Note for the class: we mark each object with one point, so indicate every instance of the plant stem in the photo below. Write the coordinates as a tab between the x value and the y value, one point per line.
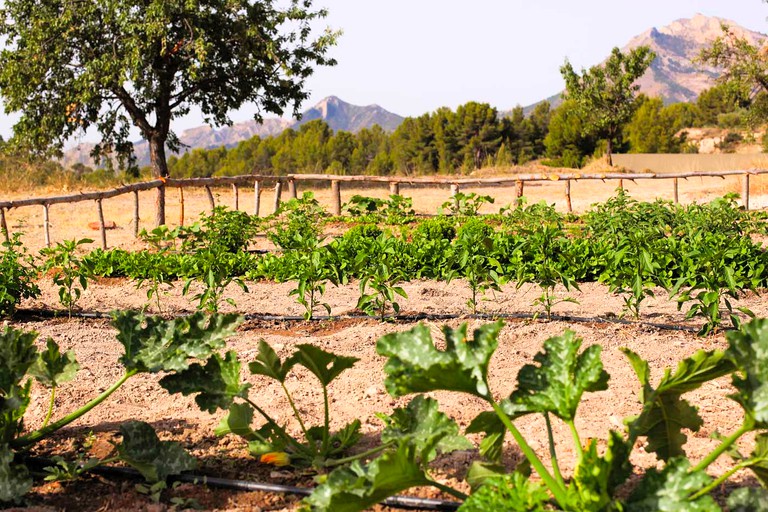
448	490
44	432
362	455
576	438
556	488
327	421
280	430
298	417
727	442
51	403
553	451
722	478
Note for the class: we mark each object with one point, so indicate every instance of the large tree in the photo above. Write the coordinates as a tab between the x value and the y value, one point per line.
73	65
605	94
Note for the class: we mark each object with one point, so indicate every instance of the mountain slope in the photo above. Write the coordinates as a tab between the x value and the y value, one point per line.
339	115
675	75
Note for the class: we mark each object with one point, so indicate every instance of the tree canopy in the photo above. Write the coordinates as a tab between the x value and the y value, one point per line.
70	66
605	95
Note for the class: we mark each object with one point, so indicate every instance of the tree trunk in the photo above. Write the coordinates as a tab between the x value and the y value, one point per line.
609	151
160	170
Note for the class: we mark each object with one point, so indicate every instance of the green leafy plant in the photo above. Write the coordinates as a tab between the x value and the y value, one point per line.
553	386
71	273
217	385
213	270
17	275
466	205
151	345
311	271
297	223
380	274
472	261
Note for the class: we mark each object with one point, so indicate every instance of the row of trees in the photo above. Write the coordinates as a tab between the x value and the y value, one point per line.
471	137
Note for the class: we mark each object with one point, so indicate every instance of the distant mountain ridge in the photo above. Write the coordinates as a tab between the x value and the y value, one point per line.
675	75
339	115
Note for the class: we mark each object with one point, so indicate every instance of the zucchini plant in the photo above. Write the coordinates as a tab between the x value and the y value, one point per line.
151	344
552	386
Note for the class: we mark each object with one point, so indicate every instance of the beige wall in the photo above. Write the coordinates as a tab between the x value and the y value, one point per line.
691	163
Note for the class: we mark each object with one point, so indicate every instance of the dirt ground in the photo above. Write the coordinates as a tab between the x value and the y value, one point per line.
359	392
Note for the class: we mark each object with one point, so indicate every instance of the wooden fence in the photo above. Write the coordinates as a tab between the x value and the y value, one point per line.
257	182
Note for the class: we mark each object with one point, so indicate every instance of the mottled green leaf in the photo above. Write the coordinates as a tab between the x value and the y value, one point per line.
489	423
216	384
324	365
561	377
596	477
237	421
665	414
513	492
153	344
748	350
670	489
267	363
748	499
156	460
17	355
758	459
416	365
422	424
358	487
15	480
52	367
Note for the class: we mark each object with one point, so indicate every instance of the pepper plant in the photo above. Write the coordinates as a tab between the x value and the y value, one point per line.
71	273
17	275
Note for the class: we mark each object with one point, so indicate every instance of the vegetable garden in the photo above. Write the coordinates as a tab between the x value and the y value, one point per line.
607	361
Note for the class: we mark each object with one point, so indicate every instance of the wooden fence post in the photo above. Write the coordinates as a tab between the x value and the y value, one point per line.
278	191
236	194
102	226
568	196
745	191
394	188
181	206
519	189
136	214
621	184
256	197
336	197
454	195
676	190
4	225
211	201
292	188
47	226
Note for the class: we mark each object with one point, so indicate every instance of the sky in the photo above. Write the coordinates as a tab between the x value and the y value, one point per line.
414	56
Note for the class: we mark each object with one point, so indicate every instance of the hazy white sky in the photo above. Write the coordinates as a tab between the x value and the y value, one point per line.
413	56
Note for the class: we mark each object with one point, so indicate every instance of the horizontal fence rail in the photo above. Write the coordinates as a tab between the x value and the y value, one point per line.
258	182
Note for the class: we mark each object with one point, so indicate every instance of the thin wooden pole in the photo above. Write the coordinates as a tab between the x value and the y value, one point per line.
256	197
181	206
4	225
568	195
519	189
292	189
745	191
676	189
102	226
136	214
236	194
621	184
454	195
278	191
211	201
394	188
336	197
47	226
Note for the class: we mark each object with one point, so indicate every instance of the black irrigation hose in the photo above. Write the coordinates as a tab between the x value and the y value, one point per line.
400	502
416	317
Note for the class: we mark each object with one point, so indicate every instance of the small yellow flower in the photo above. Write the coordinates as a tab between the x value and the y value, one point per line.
276	459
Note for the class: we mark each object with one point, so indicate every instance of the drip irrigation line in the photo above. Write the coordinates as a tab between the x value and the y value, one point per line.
400	502
416	317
